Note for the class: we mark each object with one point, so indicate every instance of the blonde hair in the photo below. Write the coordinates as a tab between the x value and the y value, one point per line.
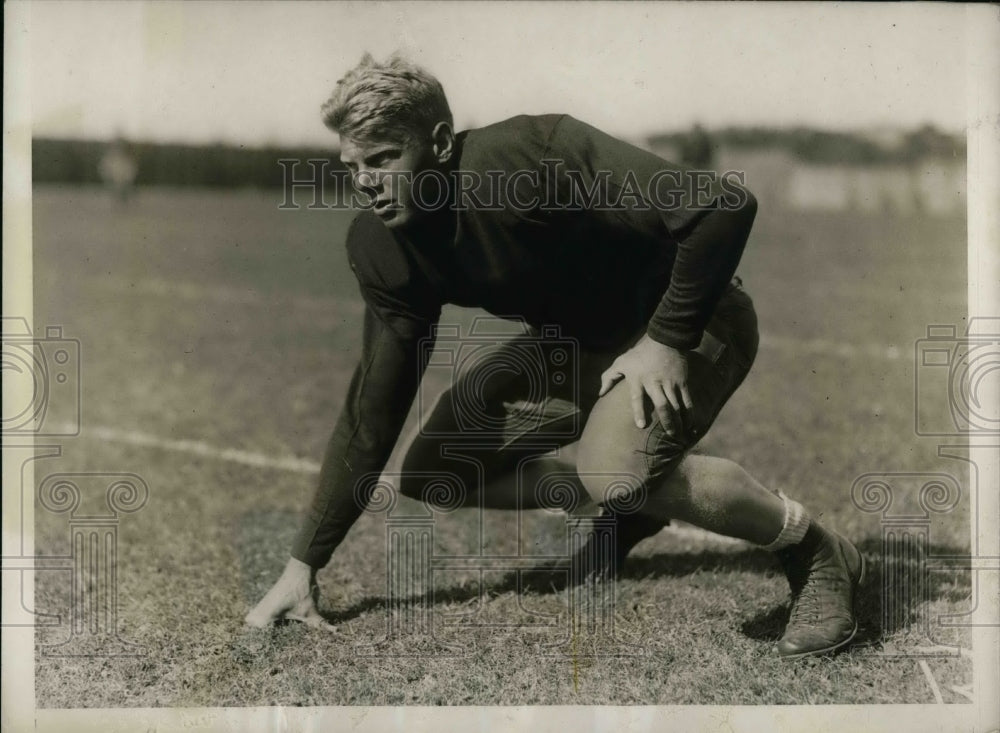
395	100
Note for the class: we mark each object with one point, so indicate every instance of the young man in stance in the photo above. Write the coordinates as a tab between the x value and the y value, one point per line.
631	259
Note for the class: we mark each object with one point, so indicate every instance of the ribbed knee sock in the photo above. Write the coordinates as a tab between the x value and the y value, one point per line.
795	525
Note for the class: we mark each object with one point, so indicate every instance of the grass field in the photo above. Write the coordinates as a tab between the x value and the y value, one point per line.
213	322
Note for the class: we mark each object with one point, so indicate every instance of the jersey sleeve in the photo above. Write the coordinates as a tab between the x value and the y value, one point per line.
703	219
400	313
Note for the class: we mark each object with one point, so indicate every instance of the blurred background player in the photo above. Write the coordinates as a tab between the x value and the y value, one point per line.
696	148
118	169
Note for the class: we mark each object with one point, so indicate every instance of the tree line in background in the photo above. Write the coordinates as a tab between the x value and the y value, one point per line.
223	166
217	165
825	147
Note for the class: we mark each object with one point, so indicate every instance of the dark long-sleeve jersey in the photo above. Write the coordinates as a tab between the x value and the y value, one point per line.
551	221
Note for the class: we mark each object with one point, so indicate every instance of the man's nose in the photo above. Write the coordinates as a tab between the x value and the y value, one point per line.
368	181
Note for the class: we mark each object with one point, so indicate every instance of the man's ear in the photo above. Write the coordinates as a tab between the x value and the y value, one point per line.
443	142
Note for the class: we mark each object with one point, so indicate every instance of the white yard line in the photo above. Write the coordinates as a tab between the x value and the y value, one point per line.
826	347
201	448
687	531
950	650
195	292
964	692
190	291
295	465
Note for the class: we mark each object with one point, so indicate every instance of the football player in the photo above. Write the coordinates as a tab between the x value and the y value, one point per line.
629	258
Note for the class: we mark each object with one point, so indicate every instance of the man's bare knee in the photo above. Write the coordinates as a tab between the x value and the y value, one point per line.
607	473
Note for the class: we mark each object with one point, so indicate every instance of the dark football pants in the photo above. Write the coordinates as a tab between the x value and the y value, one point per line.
525	397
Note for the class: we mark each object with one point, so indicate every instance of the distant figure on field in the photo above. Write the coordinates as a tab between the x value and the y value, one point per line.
696	148
118	169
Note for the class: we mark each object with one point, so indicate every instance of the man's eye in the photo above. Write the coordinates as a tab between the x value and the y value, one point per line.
382	158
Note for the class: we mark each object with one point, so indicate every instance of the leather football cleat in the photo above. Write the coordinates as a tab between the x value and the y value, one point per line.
824	571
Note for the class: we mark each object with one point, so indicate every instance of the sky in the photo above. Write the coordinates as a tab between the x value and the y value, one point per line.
255	73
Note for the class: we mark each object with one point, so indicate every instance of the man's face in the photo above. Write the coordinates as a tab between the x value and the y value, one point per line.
385	170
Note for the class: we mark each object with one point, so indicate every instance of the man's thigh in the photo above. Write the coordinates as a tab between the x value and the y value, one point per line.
615	455
509	402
